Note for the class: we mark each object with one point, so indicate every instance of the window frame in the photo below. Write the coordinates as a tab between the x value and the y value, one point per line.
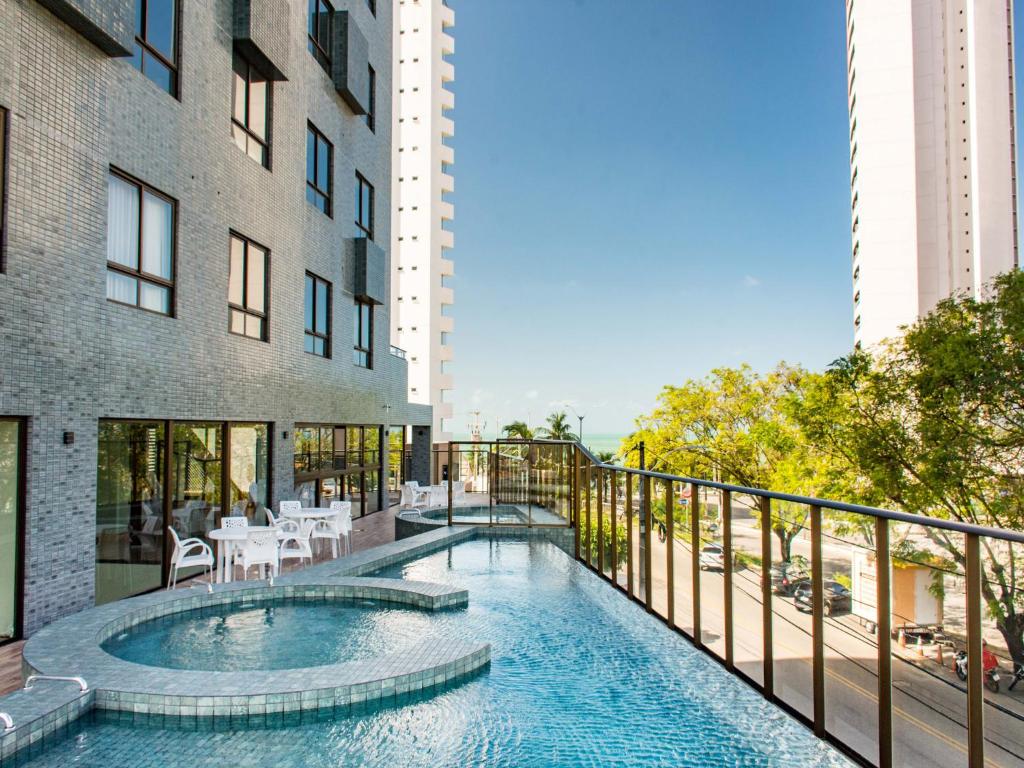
321	54
5	144
326	336
138	274
371	107
174	67
268	107
313	132
265	314
360	182
357	348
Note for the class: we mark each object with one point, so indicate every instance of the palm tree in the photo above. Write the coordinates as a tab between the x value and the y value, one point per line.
558	428
518	429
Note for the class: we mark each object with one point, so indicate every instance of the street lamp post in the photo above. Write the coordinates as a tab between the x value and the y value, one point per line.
580	434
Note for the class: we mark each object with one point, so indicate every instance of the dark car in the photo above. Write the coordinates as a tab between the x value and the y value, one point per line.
837	597
785	577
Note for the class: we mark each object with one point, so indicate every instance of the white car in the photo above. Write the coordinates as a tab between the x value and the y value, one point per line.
712	558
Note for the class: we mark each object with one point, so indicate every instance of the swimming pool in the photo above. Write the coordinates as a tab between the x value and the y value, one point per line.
579	676
274	634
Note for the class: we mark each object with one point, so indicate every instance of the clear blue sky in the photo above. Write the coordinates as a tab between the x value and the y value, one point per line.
644	192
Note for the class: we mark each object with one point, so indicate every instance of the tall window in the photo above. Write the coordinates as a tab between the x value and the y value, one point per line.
362	352
319	30
156	42
250	112
247	288
318	316
319	165
364	207
11	515
371	98
140	245
3	185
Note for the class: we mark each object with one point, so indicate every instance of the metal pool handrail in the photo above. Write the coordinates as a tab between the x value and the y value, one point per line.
7	721
583	477
82	685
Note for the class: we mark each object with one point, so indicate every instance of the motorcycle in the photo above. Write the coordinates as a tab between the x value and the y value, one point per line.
1018	675
991	673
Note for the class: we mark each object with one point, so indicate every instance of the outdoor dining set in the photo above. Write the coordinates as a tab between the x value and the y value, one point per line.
291	535
416	498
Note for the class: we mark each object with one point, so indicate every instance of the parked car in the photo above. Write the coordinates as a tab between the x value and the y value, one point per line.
712	558
785	577
838	599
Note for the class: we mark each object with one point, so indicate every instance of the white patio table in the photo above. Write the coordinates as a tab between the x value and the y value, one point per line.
227	540
309	513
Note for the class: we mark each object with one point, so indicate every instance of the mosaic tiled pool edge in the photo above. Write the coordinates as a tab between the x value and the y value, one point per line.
51	706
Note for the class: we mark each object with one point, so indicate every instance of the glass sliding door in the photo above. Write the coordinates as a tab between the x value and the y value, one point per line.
197	480
10	528
129	508
250	471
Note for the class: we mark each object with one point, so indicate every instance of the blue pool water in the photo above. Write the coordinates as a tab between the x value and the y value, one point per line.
580	677
277	634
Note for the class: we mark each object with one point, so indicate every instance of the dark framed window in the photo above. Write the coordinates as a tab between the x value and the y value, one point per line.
250	111
319	169
318	316
3	188
364	207
12	526
248	278
371	98
140	245
362	351
321	16
156	42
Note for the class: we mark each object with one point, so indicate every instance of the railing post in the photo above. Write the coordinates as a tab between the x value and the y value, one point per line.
599	481
577	472
975	681
670	525
613	487
817	623
766	596
451	455
645	500
883	633
730	663
588	470
629	533
695	562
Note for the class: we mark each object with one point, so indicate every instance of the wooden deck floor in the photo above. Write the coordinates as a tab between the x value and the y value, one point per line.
367	532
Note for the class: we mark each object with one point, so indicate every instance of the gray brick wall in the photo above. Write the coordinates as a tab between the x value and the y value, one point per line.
68	357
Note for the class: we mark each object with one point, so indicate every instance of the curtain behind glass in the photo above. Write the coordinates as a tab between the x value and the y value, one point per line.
156	236
122	223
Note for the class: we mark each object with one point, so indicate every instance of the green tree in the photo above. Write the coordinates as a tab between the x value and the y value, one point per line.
557	428
934	424
736	425
518	430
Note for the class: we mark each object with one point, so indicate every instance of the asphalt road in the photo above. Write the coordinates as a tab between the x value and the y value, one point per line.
929	718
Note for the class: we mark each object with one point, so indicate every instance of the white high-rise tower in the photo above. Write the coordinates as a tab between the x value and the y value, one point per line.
421	297
932	154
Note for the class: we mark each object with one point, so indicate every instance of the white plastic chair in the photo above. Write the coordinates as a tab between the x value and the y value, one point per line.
234	522
260	548
283	524
294	545
336	527
414	497
458	493
180	557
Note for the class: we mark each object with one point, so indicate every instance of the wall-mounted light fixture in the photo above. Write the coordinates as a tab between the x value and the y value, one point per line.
69	438
284	435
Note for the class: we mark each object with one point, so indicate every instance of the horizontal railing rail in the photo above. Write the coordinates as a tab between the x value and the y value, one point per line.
590	495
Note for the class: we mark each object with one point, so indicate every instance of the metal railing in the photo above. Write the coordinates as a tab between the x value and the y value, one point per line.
398	352
678	546
79	681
